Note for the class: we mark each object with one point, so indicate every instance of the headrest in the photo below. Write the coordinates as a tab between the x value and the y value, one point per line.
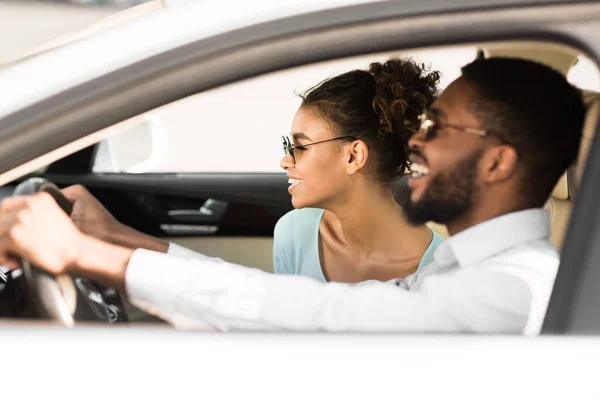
569	183
592	116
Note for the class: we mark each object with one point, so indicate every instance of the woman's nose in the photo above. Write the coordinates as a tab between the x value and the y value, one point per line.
286	162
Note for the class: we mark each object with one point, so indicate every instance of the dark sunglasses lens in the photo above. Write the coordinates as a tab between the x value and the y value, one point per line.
288	148
286	145
427	131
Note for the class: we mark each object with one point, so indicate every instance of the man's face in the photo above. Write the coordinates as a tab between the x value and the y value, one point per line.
445	185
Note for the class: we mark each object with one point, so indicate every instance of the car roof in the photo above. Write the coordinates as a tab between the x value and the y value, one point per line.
58	69
53	71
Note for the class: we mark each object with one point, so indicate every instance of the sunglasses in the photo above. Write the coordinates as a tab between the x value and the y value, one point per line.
429	126
289	147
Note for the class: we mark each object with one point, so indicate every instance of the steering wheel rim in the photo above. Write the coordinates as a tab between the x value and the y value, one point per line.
63	298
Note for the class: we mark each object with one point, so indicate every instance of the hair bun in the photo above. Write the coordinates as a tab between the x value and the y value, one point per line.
403	89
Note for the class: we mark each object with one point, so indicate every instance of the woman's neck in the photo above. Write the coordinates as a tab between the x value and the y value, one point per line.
372	221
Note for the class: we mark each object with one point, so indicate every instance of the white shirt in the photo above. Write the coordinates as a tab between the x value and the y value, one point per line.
494	277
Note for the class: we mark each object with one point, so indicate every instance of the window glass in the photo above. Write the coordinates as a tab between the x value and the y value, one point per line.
237	128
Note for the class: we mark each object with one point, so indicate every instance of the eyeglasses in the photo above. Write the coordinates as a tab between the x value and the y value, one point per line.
289	147
429	126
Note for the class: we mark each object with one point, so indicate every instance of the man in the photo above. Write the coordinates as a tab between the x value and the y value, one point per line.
484	162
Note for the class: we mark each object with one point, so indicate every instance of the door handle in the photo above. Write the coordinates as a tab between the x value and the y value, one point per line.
211	211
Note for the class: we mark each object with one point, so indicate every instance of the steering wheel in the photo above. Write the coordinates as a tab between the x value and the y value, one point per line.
63	298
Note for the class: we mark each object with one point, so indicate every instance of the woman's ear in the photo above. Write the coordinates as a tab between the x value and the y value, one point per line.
499	163
357	154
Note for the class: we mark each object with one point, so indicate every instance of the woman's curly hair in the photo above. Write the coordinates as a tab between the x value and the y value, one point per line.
380	106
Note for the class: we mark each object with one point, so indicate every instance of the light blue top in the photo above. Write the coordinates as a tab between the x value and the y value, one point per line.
296	245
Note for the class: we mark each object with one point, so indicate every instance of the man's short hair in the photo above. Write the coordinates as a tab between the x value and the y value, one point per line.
535	110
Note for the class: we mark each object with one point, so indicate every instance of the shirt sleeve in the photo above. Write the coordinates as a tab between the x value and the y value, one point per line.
176	250
200	292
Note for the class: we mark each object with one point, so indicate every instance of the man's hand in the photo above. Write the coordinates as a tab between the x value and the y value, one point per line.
37	229
34	227
90	216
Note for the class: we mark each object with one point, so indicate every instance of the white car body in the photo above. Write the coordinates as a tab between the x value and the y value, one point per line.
155	361
42	76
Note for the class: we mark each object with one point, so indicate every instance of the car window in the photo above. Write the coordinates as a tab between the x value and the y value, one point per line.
237	128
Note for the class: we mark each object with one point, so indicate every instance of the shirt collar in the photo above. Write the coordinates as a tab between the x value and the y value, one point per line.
494	236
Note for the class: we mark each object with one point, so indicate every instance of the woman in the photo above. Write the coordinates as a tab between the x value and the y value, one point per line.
348	143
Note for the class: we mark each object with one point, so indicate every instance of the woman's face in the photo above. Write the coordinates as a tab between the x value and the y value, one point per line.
319	174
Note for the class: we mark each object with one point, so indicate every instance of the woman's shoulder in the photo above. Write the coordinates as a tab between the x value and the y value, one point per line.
427	258
295	245
299	220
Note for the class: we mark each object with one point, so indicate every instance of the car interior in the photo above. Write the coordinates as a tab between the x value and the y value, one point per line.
194	194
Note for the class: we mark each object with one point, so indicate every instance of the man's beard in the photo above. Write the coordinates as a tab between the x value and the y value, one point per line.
448	195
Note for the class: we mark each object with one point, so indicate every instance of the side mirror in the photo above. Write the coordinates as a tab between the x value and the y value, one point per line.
137	150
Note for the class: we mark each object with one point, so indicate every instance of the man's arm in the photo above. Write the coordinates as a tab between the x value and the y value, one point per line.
192	292
90	216
234	297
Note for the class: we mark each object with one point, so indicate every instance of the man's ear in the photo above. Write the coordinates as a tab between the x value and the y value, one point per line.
357	154
499	163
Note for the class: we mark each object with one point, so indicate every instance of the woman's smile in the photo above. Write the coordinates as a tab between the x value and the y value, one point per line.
293	183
